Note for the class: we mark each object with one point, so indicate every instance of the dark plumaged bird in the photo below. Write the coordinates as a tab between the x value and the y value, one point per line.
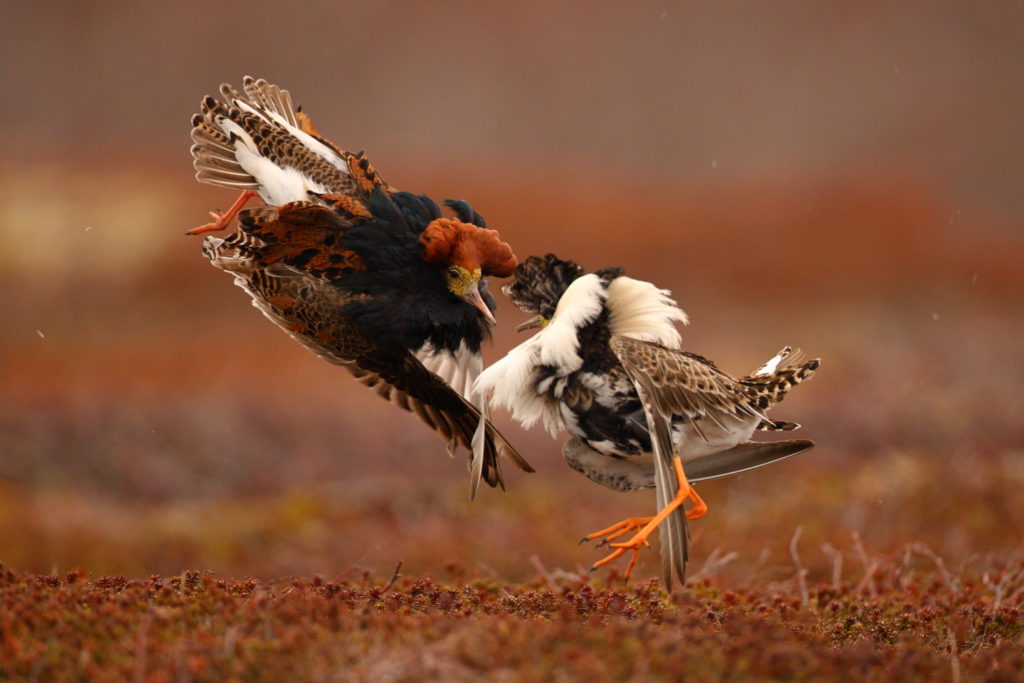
606	366
375	280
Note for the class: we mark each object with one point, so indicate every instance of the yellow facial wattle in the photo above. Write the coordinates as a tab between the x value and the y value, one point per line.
460	280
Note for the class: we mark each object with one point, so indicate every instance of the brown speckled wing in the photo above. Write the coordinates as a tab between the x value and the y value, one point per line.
681	383
282	136
216	164
302	235
286	260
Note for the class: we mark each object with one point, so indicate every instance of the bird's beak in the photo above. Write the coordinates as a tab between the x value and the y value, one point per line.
473	297
533	323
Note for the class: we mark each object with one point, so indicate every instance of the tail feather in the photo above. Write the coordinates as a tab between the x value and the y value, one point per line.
215	159
777	426
745	456
673	532
210	138
271	98
488	448
787	357
770	383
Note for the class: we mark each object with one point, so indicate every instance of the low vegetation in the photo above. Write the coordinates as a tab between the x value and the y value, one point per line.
899	621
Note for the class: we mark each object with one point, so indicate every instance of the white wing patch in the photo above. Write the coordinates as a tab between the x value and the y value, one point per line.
510	382
277	185
772	365
580	304
788	357
459	369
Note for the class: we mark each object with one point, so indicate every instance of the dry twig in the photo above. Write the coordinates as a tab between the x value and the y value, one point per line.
801	573
394	577
950	582
713	563
756	569
870	567
543	571
836	556
954	658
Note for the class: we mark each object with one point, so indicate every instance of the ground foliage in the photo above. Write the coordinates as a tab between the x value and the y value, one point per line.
901	620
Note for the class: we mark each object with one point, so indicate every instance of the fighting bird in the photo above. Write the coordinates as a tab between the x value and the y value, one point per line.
606	366
370	278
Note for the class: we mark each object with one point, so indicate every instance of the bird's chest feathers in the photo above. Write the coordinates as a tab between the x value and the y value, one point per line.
604	410
413	308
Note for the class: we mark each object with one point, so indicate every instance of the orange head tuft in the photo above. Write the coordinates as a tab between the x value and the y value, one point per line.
448	241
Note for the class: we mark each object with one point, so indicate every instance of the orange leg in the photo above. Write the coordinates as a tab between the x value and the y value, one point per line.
222	220
639	540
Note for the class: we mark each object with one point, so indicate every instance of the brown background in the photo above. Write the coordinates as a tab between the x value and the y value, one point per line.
844	177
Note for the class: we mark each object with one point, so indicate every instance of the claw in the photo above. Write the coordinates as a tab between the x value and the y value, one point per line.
645	526
619	552
632	563
617	530
222	220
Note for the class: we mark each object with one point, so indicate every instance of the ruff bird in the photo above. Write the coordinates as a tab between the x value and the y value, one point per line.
606	367
370	278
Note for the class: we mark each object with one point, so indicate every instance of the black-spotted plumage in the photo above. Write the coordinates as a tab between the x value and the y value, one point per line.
606	367
540	282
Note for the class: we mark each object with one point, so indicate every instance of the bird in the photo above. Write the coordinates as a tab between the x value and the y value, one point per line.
606	366
376	280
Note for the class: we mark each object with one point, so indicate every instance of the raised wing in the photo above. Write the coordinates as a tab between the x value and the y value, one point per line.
677	384
256	140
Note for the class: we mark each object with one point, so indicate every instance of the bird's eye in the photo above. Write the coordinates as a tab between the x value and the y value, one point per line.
453	273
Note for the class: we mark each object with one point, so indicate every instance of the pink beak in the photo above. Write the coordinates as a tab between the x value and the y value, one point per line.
473	297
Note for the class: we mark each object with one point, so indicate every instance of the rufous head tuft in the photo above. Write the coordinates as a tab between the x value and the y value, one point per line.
447	241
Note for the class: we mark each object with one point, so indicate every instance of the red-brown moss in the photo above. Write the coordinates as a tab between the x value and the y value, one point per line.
202	627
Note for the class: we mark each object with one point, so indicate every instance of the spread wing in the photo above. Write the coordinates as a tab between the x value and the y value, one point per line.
403	380
289	261
256	140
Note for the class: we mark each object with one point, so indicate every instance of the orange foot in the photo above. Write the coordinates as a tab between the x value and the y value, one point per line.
617	530
647	525
222	220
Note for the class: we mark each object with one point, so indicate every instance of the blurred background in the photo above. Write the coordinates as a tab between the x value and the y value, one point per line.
843	177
